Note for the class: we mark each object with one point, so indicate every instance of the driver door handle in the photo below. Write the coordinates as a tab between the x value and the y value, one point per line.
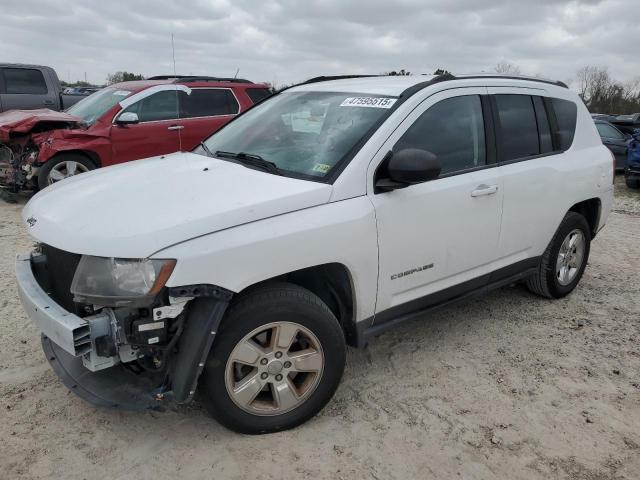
482	190
175	127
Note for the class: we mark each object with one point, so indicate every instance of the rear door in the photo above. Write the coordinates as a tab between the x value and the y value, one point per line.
158	130
530	163
203	112
27	89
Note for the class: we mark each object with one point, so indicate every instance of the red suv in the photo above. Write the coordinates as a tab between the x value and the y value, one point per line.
123	122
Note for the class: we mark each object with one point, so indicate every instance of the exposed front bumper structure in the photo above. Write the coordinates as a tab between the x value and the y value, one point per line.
68	341
68	331
66	338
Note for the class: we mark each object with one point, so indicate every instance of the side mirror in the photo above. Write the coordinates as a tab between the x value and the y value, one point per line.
128	118
408	167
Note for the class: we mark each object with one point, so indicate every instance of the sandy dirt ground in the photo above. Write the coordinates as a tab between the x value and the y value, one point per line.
505	386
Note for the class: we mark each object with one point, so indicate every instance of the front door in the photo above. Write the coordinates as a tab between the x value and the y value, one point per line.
439	238
158	130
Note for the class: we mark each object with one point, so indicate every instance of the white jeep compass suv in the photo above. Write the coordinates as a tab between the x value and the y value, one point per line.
317	219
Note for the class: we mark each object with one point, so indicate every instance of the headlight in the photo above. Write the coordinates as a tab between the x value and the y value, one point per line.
119	281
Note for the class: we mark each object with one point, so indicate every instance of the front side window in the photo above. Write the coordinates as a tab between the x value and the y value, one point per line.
607	131
518	127
207	102
305	134
452	129
159	106
566	115
24	81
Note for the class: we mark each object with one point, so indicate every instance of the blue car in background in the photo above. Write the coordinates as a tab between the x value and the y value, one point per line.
632	167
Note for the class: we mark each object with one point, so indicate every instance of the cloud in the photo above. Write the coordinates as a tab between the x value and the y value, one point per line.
288	41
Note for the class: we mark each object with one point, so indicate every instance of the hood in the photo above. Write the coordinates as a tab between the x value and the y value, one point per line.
135	209
23	122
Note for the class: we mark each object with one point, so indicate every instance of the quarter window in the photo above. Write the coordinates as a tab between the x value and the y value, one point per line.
518	127
24	80
258	94
566	114
452	129
208	102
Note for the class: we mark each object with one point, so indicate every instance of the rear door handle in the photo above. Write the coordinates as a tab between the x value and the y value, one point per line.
175	127
482	190
48	102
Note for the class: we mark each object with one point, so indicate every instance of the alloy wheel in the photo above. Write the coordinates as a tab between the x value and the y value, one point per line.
64	170
274	368
570	257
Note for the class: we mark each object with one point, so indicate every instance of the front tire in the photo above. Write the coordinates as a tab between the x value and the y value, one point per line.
564	260
276	361
63	166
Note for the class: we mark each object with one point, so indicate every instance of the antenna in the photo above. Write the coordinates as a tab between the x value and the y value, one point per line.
237	72
179	127
173	52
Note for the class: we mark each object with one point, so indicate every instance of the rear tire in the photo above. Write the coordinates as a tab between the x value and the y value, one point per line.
564	260
63	166
632	183
252	381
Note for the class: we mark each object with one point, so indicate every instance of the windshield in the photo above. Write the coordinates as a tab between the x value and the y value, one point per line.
95	105
306	134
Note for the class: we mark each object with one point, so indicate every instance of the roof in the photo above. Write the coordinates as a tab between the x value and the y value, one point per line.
394	85
137	85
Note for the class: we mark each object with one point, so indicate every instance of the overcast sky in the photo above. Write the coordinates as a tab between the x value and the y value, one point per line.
287	41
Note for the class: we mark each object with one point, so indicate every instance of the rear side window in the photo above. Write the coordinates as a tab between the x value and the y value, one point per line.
453	129
544	129
566	113
24	80
257	94
518	127
208	102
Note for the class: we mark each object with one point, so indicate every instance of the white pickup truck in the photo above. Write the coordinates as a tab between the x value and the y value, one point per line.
321	217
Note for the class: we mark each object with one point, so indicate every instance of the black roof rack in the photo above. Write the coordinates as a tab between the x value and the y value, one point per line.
324	78
517	77
197	78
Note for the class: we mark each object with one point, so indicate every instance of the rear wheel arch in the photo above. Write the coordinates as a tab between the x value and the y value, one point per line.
590	210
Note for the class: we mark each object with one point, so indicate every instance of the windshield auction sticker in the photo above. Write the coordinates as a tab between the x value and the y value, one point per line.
373	102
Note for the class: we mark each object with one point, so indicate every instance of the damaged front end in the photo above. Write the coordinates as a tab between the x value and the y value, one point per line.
23	133
112	349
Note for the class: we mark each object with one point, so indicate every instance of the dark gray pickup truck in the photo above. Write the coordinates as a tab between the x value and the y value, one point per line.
28	87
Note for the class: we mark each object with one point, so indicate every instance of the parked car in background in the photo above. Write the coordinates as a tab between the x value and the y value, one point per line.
614	140
26	87
84	91
120	123
627	123
632	166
